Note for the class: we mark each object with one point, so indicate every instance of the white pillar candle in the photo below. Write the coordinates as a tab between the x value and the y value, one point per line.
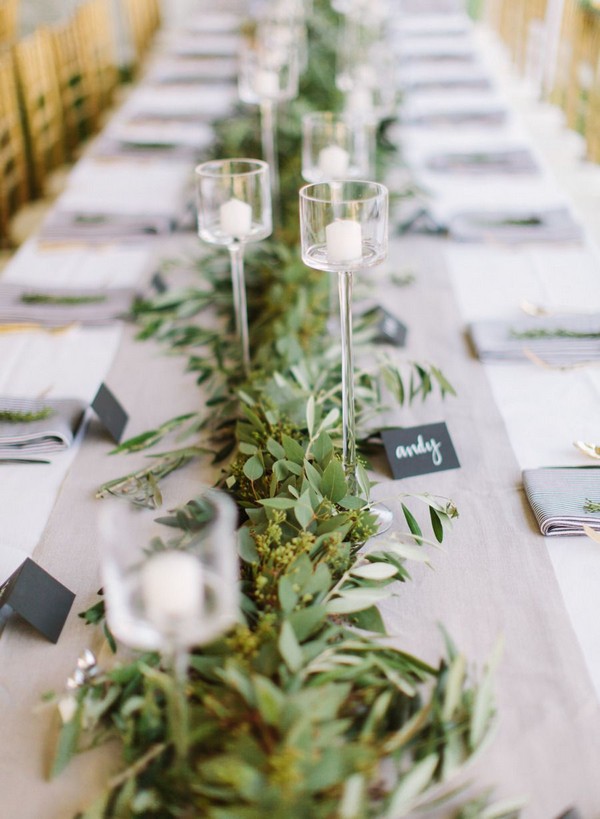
333	162
235	217
344	241
266	83
172	588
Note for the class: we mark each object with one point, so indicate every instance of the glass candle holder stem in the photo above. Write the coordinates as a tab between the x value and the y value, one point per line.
177	659
348	412
236	254
268	124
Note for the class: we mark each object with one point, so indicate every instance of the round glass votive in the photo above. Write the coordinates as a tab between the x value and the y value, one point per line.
343	224
336	147
267	74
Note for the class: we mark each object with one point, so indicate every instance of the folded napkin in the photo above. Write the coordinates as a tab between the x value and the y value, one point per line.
512	227
57	306
54	430
462	83
63	225
560	498
511	160
556	340
106	145
443	118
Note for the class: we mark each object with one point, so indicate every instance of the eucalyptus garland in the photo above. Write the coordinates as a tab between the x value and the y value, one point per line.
301	710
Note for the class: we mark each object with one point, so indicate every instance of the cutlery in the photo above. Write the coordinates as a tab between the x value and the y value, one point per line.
593	450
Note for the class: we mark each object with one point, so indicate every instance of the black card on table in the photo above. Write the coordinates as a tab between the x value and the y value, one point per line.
110	413
38	598
390	330
419	450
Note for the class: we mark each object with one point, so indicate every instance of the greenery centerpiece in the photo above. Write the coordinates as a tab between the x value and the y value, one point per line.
302	710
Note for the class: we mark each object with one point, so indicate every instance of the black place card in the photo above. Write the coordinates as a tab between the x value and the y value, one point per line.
38	598
419	450
110	413
390	330
158	283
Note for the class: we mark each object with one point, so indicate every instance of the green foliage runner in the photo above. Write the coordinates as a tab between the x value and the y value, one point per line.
301	710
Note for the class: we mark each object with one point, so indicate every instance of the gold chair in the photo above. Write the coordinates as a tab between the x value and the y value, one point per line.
143	18
13	165
9	20
44	118
96	27
80	105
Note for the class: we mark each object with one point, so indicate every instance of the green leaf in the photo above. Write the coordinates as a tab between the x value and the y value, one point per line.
375	571
253	468
310	415
278	503
412	523
411	785
66	747
289	648
275	448
322	447
356	600
306	621
246	546
436	523
333	482
270	700
294	452
369	619
288	598
303	511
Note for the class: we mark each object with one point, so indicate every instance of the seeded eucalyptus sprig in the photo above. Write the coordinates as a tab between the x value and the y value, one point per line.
559	332
591	506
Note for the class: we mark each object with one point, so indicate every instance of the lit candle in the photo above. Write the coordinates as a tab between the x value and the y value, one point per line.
266	83
235	217
344	241
333	162
172	588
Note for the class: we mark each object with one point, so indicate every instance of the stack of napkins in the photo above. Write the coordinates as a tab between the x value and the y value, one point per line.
514	226
30	426
58	306
563	499
556	340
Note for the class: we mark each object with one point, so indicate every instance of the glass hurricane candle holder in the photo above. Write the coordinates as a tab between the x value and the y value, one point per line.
167	592
343	228
266	78
336	147
234	208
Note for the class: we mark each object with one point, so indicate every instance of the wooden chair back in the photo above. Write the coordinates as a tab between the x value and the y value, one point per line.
44	119
96	26
9	21
143	18
80	104
13	163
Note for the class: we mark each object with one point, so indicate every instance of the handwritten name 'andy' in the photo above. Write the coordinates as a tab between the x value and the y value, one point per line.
421	447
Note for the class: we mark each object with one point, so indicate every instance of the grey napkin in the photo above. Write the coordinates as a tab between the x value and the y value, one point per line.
566	340
443	119
55	307
513	227
558	497
52	433
509	161
100	228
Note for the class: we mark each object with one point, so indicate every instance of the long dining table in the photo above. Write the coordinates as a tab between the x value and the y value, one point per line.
498	577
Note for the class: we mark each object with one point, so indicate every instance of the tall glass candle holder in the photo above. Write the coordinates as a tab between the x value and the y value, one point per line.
343	228
170	593
234	208
266	78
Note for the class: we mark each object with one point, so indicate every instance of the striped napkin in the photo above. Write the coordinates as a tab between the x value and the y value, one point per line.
91	228
512	227
511	160
555	340
59	306
53	432
560	498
